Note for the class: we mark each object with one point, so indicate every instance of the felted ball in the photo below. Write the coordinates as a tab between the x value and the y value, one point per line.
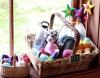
87	40
67	53
50	58
26	60
43	57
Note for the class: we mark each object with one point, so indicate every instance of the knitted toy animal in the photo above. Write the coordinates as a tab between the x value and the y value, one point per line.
51	45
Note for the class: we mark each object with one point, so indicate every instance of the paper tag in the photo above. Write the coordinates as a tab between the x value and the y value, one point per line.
75	58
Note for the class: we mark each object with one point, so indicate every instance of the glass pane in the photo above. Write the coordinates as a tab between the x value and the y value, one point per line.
27	16
4	27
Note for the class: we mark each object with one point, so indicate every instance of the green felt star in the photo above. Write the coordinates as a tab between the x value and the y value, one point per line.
68	11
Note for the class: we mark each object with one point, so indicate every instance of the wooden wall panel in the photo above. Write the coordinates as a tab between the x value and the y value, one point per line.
93	25
99	33
75	3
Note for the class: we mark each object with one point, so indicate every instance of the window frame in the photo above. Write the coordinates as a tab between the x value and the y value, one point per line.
75	3
11	26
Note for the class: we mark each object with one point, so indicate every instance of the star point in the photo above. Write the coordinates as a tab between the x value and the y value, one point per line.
68	11
79	12
88	7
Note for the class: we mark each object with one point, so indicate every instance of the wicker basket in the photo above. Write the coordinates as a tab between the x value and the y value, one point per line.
15	72
63	65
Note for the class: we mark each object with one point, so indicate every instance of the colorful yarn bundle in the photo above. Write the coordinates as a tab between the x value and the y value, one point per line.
84	46
7	60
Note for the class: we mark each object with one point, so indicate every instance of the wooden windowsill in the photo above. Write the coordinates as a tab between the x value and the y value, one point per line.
33	73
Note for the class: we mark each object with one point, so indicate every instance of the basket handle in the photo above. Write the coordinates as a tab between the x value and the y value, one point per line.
77	35
14	59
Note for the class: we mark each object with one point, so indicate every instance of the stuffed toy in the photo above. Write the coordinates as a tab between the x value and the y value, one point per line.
51	45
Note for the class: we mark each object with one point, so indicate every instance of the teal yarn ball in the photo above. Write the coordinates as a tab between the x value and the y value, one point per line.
43	57
87	40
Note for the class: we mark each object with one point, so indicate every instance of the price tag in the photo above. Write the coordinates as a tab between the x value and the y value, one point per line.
75	58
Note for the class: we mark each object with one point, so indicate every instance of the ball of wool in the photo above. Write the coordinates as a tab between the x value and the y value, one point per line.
86	40
67	53
43	57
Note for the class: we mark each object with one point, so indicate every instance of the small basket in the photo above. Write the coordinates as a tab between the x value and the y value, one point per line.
63	65
15	71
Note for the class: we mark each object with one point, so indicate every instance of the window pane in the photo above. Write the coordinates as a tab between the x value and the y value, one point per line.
27	16
4	27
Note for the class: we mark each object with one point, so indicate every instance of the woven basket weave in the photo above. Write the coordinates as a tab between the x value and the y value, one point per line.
15	72
63	65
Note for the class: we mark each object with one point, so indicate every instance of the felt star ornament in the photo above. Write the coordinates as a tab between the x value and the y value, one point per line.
68	11
79	12
88	7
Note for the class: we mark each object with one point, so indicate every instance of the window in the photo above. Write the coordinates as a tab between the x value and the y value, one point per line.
4	26
27	15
